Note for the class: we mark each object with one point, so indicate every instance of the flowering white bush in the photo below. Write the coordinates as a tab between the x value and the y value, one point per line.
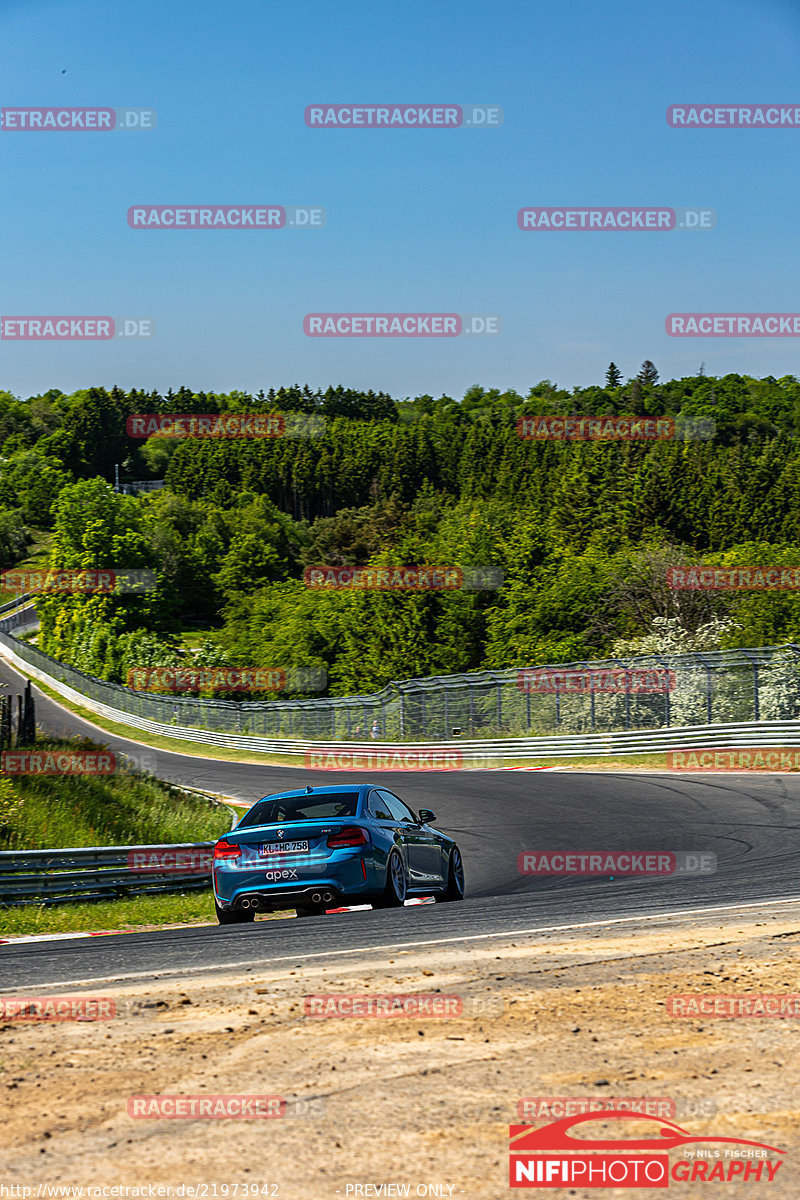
779	688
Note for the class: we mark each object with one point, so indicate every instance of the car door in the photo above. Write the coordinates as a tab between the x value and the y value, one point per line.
395	830
424	852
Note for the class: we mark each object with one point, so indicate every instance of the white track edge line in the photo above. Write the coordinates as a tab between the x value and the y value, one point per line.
192	968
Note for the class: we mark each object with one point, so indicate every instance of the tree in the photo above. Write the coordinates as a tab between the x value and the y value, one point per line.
95	425
613	376
648	373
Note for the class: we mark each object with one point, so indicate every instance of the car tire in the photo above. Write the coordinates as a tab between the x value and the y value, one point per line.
396	890
455	878
234	916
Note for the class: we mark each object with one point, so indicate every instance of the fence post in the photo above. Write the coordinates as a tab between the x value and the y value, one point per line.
30	715
628	703
756	708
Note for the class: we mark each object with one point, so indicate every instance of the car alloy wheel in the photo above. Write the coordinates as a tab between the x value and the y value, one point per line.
455	878
394	894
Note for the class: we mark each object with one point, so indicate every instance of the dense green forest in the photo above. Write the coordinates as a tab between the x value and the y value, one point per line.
583	531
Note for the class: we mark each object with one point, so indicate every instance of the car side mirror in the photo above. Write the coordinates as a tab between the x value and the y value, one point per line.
426	817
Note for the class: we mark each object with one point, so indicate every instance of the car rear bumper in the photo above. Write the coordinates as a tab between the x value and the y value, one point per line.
233	887
264	901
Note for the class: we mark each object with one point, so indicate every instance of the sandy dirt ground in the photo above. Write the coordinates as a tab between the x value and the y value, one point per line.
412	1105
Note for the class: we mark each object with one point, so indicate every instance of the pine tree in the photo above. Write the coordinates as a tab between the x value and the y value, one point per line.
613	376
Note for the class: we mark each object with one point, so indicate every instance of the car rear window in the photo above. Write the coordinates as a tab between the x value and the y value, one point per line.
317	807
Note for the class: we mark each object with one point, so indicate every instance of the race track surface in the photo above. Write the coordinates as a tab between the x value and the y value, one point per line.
750	822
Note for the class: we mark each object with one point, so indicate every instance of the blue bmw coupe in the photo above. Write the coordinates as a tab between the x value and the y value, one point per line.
327	847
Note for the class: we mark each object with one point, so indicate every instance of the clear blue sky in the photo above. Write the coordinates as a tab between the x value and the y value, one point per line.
416	220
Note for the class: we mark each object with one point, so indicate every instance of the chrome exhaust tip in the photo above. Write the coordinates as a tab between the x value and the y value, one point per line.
316	897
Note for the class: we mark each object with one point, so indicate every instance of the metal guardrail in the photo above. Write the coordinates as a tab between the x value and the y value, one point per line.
100	872
107	872
749	733
752	684
12	604
767	670
24	617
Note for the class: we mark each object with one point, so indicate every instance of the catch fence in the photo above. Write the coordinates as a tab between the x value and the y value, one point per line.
591	697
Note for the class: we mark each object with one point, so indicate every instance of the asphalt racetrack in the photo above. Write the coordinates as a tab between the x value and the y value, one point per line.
751	822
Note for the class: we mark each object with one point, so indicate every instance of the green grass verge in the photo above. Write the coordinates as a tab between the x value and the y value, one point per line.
57	811
45	811
133	912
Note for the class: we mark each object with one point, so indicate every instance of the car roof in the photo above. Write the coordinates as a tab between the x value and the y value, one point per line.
326	788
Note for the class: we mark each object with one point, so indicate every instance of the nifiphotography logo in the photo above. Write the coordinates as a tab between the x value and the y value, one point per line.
554	1156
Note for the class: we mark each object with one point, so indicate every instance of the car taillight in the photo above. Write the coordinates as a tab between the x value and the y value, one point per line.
225	849
350	835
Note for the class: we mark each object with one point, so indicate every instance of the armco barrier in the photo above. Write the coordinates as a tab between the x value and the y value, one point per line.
676	690
96	873
17	617
104	872
476	751
480	753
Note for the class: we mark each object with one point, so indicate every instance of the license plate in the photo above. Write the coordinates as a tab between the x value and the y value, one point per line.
271	848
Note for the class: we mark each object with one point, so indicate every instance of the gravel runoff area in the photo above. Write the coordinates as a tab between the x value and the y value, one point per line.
418	1104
